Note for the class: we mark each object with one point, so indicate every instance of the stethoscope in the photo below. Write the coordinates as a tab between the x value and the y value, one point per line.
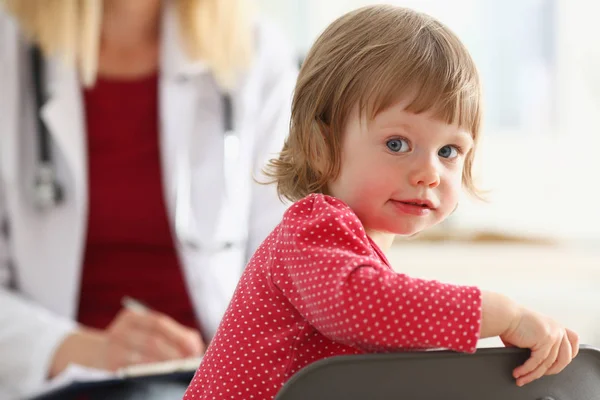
49	192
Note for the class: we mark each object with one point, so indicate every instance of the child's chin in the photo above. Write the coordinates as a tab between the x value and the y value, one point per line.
408	231
408	234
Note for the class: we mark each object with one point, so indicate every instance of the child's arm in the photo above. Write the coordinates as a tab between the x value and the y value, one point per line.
329	273
498	314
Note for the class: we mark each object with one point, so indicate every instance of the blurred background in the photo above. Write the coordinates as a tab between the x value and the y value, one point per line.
537	236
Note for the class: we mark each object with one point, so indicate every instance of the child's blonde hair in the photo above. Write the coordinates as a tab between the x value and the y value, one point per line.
216	31
373	57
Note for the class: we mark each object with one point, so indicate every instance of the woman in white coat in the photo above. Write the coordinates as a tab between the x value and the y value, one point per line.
158	119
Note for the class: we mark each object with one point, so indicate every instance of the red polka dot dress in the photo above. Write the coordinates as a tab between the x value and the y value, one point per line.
319	287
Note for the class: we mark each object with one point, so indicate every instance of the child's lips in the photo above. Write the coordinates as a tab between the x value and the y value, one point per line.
425	203
412	208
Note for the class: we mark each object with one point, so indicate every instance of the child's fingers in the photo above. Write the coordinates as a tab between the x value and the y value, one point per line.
574	340
542	366
565	355
536	358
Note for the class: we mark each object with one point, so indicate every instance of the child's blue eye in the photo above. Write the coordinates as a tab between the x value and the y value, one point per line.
397	145
449	151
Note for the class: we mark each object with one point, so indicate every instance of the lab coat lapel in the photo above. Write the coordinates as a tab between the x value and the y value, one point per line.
64	115
189	108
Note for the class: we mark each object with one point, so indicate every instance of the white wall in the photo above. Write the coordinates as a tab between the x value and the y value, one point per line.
540	186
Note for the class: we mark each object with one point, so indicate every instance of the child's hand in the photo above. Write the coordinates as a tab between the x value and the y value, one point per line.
552	346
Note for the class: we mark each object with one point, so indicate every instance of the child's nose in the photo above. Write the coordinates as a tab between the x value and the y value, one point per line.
425	173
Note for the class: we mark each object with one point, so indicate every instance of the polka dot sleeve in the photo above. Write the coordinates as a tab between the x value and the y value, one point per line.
331	274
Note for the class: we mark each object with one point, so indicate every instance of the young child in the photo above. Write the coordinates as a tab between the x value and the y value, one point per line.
385	119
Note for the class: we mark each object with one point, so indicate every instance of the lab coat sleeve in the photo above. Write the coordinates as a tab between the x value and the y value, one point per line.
6	28
29	335
280	73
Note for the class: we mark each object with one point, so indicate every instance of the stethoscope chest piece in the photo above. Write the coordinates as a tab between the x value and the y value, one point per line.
48	192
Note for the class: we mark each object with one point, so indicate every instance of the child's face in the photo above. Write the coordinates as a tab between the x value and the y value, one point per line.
397	159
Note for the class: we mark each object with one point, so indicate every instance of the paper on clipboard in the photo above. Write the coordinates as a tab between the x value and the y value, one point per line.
165	367
79	374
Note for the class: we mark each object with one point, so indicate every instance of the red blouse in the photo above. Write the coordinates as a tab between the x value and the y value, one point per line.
129	249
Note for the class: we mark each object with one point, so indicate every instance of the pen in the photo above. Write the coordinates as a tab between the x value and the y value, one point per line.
134	305
138	307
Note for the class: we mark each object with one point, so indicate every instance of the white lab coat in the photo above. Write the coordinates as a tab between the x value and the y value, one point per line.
41	254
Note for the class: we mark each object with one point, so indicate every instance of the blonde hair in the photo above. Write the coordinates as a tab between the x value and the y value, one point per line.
373	57
216	31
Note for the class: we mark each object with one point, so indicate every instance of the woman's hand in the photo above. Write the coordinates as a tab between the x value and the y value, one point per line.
142	337
131	338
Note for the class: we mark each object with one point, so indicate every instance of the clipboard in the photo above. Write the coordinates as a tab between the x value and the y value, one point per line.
75	390
175	374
